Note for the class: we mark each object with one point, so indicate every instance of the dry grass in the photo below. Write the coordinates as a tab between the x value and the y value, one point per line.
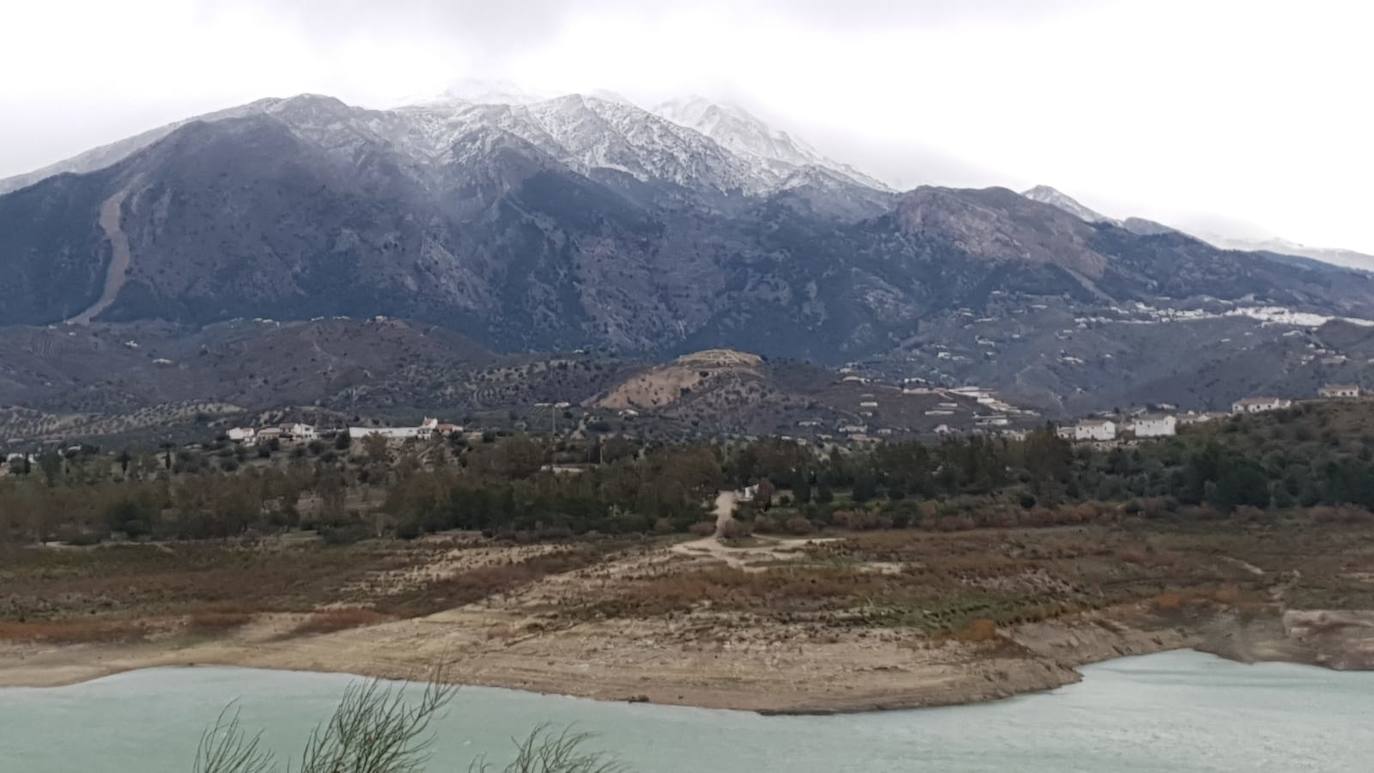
962	584
489	581
210	622
1167	602
978	630
959	583
209	589
73	632
341	619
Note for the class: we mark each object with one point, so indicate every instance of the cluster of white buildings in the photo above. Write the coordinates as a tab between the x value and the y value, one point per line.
285	433
1143	426
1260	404
1263	404
299	433
1157	425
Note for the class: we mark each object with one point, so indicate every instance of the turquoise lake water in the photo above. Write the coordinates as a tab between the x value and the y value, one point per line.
1176	711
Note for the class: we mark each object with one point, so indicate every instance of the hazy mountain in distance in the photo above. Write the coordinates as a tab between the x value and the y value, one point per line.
483	91
1338	257
1335	256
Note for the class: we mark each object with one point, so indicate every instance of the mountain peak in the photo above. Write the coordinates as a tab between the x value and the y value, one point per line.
486	92
997	224
744	134
1057	198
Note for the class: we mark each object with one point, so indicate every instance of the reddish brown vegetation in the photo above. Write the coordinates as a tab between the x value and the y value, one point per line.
978	630
212	622
340	619
73	632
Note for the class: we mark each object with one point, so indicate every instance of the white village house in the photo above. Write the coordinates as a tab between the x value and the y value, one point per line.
1192	418
301	433
242	434
1090	430
1154	425
1260	404
1339	391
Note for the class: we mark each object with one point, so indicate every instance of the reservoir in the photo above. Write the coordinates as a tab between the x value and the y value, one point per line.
1172	711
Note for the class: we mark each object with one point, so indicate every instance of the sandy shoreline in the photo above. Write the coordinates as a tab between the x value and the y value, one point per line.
710	655
866	671
791	672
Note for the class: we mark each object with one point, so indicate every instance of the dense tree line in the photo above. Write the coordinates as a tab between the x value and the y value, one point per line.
1310	456
499	485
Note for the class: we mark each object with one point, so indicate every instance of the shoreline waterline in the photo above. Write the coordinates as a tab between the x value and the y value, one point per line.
1114	718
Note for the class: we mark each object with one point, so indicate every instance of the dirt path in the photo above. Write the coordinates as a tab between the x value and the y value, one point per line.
751	557
726	502
119	263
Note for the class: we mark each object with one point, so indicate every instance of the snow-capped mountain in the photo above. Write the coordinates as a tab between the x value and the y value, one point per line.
700	145
582	222
1057	198
744	134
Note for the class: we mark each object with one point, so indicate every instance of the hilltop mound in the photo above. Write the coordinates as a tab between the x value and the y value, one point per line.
720	358
661	386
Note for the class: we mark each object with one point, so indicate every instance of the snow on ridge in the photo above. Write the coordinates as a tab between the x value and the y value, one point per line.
693	142
743	133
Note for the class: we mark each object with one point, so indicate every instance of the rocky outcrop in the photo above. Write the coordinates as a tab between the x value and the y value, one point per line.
1337	639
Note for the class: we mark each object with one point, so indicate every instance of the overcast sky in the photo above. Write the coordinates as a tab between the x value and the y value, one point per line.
1231	114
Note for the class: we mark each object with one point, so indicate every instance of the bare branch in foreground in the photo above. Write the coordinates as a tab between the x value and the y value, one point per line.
225	748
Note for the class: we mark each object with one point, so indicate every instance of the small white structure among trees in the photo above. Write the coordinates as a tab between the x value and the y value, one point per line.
1260	404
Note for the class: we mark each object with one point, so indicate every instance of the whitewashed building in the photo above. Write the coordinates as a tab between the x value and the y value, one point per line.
1260	404
1094	430
301	433
242	434
1155	425
1339	391
393	434
427	429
